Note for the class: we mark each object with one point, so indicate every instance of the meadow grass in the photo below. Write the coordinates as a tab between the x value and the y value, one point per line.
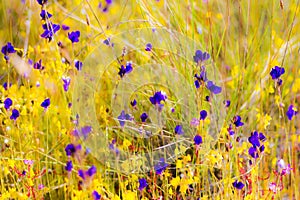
83	126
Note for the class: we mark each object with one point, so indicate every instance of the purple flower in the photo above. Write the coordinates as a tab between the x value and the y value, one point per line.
42	2
238	185
203	114
7	49
198	140
45	15
230	130
46	103
133	103
65	27
125	70
74	36
7	103
67	81
291	112
200	56
179	130
78	65
158	97
254	139
143	117
148	47
81	173
70	149
194	122
5	86
85	131
276	72
161	166
14	114
227	103
253	152
213	88
237	121
123	117
91	171
143	183
49	30
106	41
108	1
96	195
38	65
69	166
207	98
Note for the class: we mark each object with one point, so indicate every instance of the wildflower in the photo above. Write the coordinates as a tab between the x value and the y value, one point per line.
273	187
41	186
133	103
194	122
230	130
238	185
108	1
198	140
200	56
5	86
255	140
96	195
253	152
78	65
213	88
292	111
28	162
74	36
90	172
276	72
179	130
70	149
7	103
7	49
143	184
143	117
15	114
38	65
237	121
227	103
45	15
285	169
42	2
203	114
67	81
46	103
158	97
65	27
49	30
148	47
200	78
69	166
122	117
172	110
125	70
161	166
106	41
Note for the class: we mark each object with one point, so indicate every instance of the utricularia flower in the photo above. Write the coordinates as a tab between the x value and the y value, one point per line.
78	65
179	130
123	117
66	81
14	114
203	114
7	103
198	140
144	117
89	173
255	139
45	15
7	49
142	183
49	30
74	36
158	97
238	185
292	111
148	47
200	56
46	103
125	70
96	195
237	121
161	166
69	166
276	72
